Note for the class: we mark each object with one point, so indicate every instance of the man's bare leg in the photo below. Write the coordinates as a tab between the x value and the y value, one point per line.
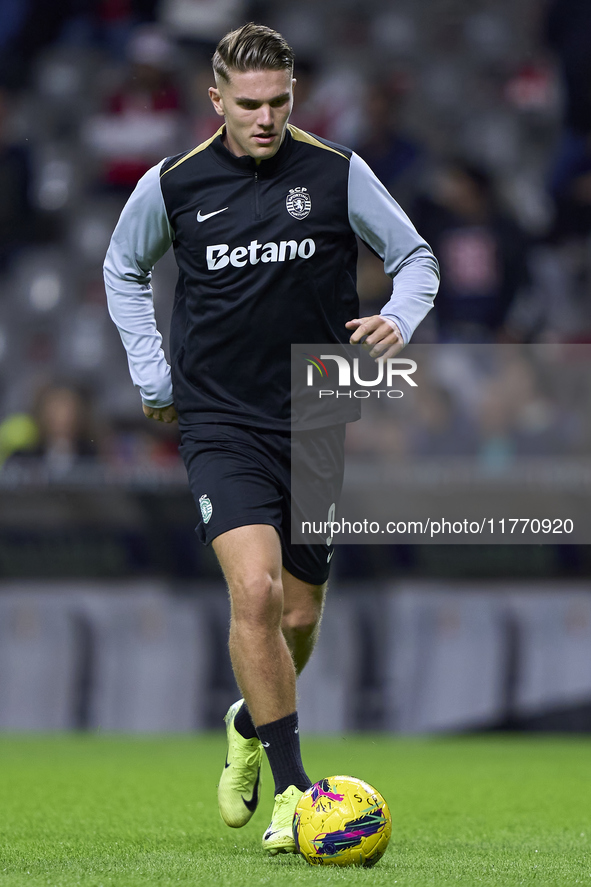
251	560
302	611
273	628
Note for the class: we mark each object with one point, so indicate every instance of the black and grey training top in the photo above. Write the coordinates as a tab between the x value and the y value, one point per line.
267	257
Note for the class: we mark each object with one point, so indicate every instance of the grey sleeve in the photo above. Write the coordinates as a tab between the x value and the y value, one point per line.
142	236
378	220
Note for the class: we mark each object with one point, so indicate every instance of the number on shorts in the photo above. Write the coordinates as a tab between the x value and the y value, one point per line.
330	519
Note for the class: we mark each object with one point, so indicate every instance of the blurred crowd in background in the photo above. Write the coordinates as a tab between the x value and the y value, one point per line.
476	116
497	405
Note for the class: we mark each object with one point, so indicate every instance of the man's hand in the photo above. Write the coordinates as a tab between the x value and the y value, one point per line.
382	336
161	414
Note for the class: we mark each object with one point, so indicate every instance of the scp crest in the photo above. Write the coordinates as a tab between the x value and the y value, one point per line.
206	508
298	203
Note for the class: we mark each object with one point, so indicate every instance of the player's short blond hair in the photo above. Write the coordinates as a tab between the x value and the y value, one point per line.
252	48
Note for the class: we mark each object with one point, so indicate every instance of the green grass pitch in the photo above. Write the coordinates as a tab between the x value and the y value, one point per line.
101	811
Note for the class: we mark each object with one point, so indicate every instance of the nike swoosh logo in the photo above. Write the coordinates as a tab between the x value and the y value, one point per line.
202	218
265	744
252	804
328	559
226	765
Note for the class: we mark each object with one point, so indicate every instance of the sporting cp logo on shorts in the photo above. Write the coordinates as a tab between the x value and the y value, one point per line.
298	203
206	508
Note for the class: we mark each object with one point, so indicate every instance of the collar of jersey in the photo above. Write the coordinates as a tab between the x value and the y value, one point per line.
247	165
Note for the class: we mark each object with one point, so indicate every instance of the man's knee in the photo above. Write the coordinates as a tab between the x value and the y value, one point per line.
257	599
304	618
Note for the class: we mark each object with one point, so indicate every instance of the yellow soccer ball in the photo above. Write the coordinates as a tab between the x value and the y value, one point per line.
342	821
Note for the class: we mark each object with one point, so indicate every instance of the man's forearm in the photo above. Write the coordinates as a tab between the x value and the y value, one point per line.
142	236
415	286
133	314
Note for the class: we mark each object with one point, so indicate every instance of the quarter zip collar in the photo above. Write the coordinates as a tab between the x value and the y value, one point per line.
247	165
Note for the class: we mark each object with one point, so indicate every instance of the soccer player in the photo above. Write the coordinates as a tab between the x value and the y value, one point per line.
262	218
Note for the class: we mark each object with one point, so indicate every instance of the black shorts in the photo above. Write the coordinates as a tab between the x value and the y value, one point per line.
241	476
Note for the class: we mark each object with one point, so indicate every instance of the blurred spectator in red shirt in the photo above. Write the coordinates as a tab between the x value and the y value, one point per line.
143	120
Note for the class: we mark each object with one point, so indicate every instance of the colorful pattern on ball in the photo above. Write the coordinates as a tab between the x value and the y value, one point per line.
342	821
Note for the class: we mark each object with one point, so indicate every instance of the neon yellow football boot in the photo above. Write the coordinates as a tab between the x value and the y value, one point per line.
238	789
279	836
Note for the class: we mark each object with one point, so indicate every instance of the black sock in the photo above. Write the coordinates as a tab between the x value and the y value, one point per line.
281	741
243	723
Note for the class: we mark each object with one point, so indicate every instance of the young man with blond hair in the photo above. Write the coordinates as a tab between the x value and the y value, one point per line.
263	219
